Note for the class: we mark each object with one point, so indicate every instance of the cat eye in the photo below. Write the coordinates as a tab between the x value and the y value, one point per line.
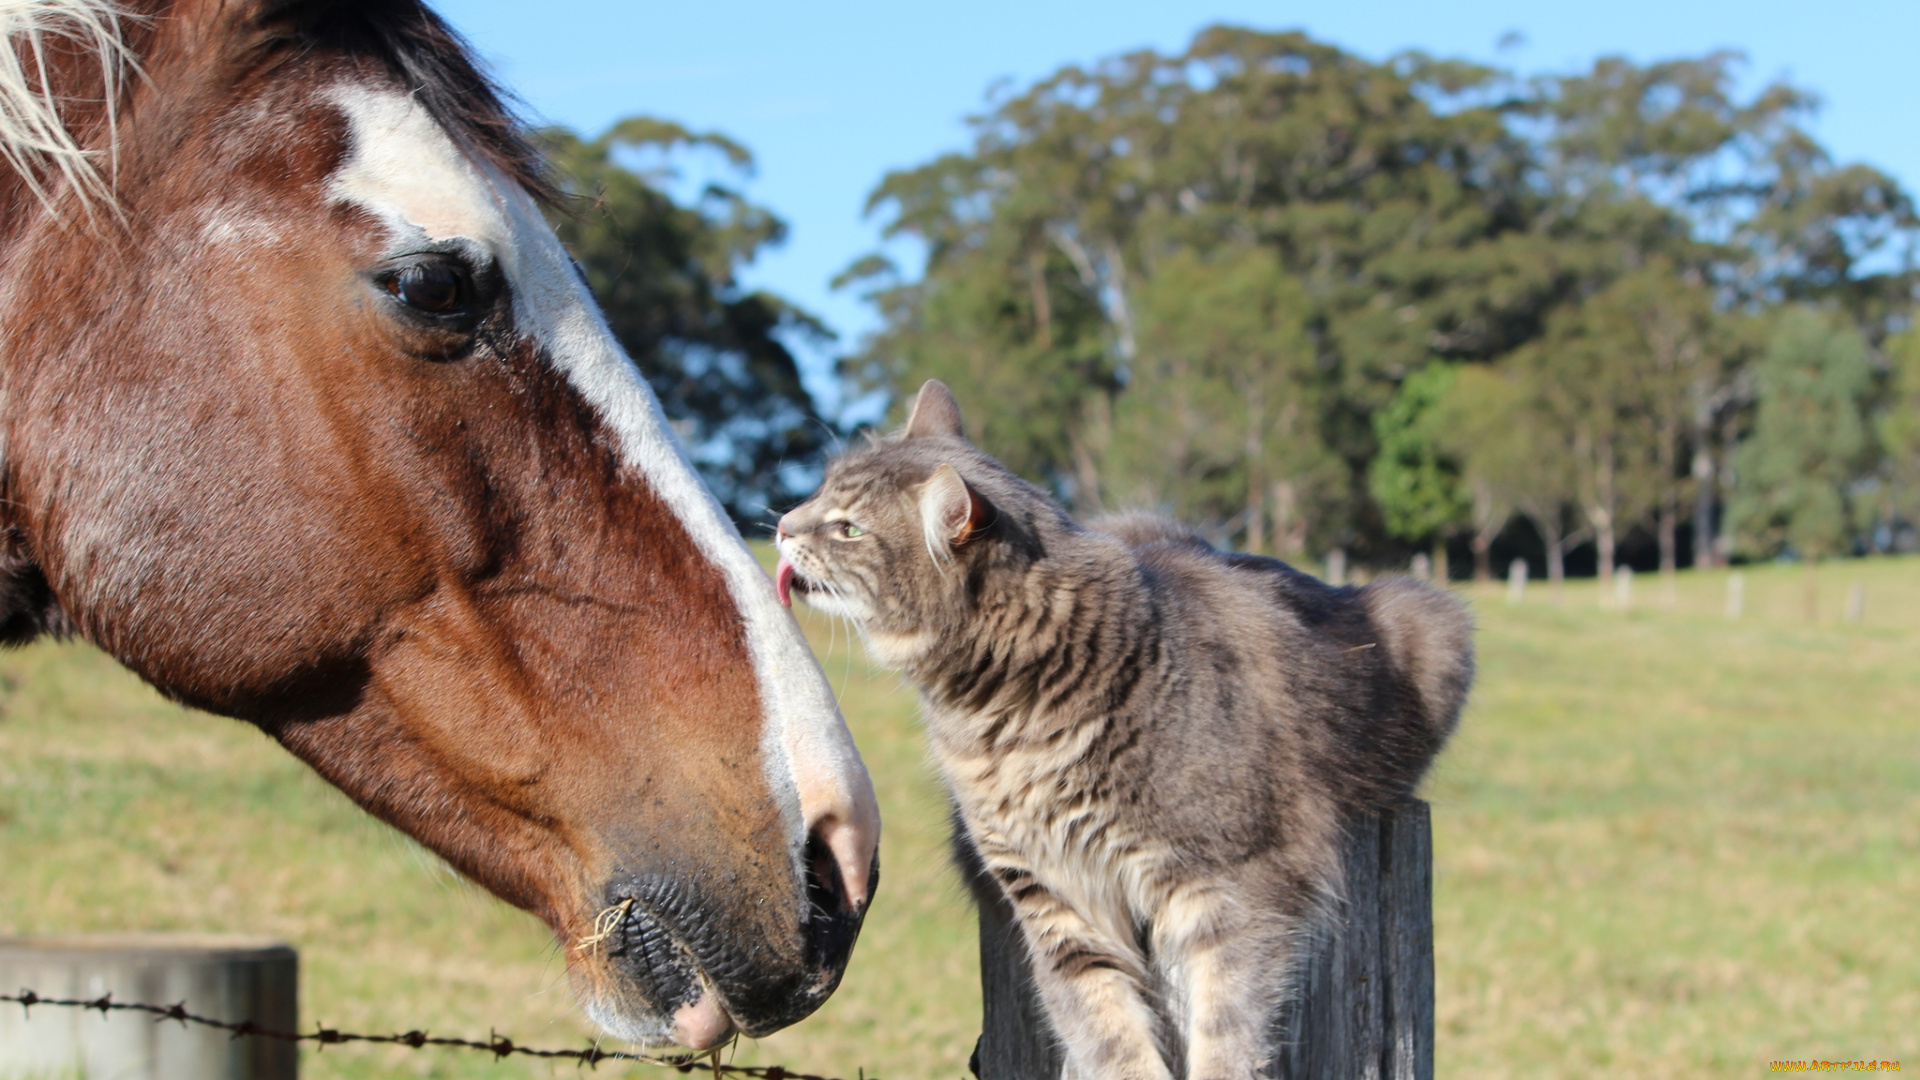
851	531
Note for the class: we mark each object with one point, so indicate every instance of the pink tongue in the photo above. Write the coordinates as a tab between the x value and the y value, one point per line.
783	581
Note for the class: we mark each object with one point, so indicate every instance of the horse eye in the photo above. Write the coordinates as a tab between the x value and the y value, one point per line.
432	287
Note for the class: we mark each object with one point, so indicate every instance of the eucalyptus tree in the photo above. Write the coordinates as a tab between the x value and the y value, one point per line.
1388	200
1507	462
1665	334
1756	214
1809	438
1092	260
1220	419
1898	430
1586	377
1775	217
1415	478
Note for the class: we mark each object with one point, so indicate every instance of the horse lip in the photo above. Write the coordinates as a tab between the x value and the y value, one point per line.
761	1012
667	959
640	947
651	952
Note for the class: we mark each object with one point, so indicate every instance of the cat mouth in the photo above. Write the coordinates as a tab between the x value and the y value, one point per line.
787	581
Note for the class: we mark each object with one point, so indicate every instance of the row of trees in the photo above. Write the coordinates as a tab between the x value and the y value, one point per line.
1317	302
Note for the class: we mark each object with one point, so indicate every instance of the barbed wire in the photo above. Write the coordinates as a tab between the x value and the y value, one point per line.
498	1045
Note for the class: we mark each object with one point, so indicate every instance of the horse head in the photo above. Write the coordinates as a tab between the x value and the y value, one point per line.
307	417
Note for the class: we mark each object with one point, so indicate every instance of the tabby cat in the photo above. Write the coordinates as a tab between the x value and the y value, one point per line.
1152	744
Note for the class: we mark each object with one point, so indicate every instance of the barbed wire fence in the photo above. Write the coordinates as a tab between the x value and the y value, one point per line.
496	1044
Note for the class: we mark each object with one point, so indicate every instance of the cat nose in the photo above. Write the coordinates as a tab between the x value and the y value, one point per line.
780	528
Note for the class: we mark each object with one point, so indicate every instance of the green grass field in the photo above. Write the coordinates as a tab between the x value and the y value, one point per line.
1667	844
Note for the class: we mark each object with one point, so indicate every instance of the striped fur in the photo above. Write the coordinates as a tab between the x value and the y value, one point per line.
1154	745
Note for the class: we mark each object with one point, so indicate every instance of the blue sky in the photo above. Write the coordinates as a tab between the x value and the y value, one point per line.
831	96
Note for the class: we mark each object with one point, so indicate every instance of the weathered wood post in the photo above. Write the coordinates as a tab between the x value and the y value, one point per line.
1362	1005
227	978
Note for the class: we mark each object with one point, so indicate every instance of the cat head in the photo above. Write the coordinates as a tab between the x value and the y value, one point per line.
899	530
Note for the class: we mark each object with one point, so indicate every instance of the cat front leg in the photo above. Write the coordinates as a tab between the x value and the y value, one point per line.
1091	983
1224	964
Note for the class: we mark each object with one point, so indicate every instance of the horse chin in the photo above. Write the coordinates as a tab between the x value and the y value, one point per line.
654	1032
702	1024
698	1024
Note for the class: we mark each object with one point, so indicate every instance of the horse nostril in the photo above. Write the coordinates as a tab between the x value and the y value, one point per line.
833	915
826	888
850	855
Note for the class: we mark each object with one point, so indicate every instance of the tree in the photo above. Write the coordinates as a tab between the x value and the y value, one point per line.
1584	377
1808	439
1662	325
1414	479
1480	422
1379	190
1758	214
1025	351
1219	421
1106	259
1768	208
1513	457
1898	430
666	275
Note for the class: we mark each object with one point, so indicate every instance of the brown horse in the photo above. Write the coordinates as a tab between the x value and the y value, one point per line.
306	417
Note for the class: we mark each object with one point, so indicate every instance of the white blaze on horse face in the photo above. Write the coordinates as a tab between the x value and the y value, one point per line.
406	171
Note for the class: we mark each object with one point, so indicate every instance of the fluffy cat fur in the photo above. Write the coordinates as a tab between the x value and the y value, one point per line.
1152	744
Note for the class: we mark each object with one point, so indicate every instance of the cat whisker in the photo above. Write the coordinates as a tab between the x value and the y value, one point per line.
852	631
846	676
840	692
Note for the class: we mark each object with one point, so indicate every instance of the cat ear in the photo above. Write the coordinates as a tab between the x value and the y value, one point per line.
951	512
935	412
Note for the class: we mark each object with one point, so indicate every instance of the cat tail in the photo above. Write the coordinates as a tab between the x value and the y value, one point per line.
1427	634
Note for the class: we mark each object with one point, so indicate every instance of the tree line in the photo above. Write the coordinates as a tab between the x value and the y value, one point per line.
1313	302
1316	302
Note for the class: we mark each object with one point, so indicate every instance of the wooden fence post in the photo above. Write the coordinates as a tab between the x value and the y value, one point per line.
226	978
1362	1005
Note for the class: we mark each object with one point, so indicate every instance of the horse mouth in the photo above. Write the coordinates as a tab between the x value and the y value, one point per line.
669	962
659	993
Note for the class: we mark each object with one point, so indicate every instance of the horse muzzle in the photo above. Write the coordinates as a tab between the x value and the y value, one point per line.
669	962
